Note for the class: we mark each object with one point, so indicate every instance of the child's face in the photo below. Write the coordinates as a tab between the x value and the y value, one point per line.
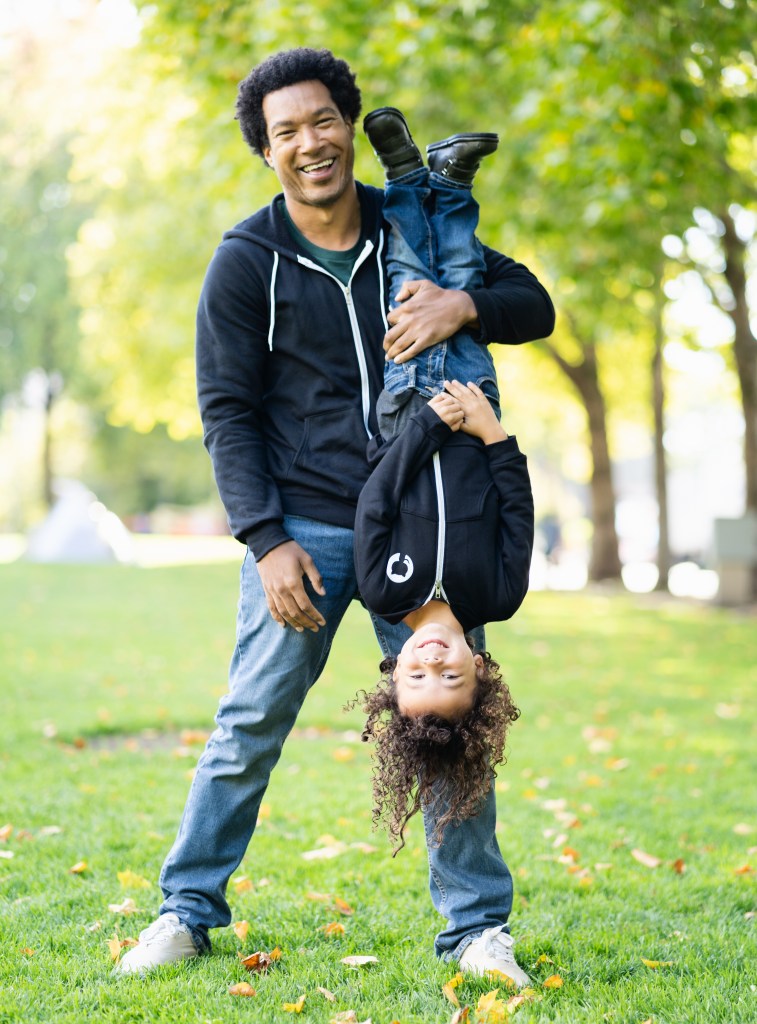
436	673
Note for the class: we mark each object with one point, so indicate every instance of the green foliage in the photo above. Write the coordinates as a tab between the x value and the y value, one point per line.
638	714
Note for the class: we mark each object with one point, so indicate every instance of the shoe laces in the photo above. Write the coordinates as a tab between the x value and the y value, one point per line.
165	927
499	944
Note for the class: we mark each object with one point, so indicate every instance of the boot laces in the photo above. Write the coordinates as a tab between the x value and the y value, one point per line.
165	927
499	944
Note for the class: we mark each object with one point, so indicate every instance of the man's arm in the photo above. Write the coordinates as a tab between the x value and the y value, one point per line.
232	348
511	308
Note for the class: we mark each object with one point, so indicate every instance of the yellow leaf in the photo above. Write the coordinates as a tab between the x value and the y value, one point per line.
295	1007
5	833
242	884
131	880
240	929
679	866
343	907
526	995
333	928
275	953
553	981
343	754
500	976
647	859
26	951
258	962
242	988
745	869
318	897
543	959
79	868
490	1009
654	964
114	945
460	1016
448	990
327	995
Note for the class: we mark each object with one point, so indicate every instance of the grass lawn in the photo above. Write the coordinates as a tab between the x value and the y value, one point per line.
637	738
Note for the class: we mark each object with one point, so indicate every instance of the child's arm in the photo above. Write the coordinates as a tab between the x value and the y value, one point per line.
479	418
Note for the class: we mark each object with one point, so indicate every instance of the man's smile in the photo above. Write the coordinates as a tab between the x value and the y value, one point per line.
319	166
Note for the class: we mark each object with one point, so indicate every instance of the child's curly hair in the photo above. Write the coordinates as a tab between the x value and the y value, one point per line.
429	760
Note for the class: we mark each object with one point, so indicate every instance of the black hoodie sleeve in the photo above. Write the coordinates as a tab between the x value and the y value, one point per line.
509	471
231	349
513	306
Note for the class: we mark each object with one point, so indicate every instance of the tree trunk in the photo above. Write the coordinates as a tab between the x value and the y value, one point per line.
47	446
660	461
744	350
604	561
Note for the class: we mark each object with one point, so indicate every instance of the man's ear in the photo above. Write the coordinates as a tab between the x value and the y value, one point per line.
478	661
350	125
267	155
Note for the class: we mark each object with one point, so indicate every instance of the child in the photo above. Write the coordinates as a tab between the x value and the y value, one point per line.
444	527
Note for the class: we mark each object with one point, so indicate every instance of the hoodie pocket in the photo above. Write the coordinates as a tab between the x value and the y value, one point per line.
332	452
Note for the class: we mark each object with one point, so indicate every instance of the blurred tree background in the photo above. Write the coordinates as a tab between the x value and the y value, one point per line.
626	178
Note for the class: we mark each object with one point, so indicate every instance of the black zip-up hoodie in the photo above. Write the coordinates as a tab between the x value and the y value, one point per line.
443	515
290	363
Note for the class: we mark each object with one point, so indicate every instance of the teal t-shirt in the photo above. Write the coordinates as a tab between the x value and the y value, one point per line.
338	263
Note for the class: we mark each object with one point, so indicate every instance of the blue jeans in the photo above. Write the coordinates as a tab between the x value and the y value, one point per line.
433	237
272	670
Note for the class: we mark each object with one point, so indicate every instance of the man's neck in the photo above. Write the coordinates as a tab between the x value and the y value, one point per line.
334	227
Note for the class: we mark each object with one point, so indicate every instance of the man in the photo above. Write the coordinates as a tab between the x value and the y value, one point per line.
291	341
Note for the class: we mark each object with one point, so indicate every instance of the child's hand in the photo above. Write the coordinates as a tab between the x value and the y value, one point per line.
448	409
479	419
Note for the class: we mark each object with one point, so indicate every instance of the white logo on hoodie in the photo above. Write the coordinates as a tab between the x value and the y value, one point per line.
397	577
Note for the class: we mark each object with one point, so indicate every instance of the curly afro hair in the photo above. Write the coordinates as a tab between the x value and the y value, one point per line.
429	762
287	68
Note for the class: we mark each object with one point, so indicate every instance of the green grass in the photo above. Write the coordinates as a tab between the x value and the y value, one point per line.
638	723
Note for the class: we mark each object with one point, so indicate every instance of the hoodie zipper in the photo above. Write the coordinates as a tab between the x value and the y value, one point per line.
365	393
437	591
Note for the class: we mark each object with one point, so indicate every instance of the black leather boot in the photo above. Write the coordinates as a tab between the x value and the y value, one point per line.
392	143
459	156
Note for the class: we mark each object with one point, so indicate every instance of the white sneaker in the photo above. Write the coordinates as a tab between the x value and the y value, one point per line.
164	942
493	951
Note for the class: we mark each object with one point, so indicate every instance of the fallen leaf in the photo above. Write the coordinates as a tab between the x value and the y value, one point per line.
363	847
679	866
617	764
7	855
526	995
343	907
327	995
750	915
79	868
242	884
460	1016
571	854
553	981
242	988
275	953
603	866
654	964
448	991
5	833
333	928
490	1009
50	830
345	1017
26	951
647	859
543	959
240	929
318	897
127	907
343	754
295	1007
131	880
500	976
258	962
114	945
95	926
741	829
324	852
745	869
359	961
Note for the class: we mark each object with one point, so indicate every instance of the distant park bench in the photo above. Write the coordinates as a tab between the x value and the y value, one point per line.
735	555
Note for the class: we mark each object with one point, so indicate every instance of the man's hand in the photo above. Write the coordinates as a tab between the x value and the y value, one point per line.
281	573
427	315
447	409
479	418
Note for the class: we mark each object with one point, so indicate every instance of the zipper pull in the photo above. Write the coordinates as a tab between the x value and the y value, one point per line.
438	590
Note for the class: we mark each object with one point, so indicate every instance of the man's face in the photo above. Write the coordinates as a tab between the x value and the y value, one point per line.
310	144
436	673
